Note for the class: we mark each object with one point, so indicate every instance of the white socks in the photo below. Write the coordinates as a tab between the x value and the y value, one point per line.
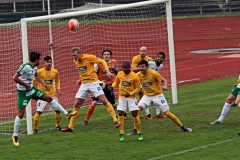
157	110
225	110
16	126
58	107
147	111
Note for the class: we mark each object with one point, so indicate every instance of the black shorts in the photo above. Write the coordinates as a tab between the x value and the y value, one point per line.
109	95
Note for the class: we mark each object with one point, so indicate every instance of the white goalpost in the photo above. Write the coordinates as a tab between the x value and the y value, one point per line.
120	28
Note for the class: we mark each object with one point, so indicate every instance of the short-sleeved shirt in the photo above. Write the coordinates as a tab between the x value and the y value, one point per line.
127	83
50	78
85	68
27	73
137	58
102	74
150	82
152	65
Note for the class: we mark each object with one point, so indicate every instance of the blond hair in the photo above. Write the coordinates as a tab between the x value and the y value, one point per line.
76	49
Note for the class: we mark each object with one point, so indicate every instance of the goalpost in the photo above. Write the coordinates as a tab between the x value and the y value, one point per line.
120	28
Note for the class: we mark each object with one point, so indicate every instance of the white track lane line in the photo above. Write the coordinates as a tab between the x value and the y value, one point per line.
194	149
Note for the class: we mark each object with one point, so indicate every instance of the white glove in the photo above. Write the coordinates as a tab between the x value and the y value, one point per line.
102	84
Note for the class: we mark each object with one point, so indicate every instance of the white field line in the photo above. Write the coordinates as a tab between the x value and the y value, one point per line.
194	149
188	80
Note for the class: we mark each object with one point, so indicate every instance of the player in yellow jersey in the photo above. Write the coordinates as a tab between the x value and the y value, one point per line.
50	77
128	84
136	59
99	69
89	83
152	93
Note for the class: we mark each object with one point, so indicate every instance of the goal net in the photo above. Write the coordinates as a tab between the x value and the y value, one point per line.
122	28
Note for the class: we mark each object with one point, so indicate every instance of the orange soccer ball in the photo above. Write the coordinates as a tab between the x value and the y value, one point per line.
73	25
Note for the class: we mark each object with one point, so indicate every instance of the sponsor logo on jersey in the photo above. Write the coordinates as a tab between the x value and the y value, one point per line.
83	68
48	81
124	83
146	84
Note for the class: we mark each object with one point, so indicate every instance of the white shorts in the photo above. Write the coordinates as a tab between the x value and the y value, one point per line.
158	100
85	88
41	105
127	103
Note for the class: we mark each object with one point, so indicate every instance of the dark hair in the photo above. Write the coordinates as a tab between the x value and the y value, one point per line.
107	50
163	54
47	58
126	63
143	61
33	56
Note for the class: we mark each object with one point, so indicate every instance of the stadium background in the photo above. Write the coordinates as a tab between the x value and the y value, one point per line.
189	34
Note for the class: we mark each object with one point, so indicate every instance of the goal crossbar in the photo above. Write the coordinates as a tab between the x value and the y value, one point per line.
93	11
168	6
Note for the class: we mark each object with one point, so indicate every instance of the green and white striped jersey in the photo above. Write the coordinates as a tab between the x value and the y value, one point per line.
27	74
152	65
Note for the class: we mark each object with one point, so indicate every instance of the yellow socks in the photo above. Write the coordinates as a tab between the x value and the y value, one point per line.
139	116
137	124
173	118
58	117
36	120
121	121
111	111
73	118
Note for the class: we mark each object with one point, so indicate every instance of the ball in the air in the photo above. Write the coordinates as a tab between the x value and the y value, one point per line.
73	25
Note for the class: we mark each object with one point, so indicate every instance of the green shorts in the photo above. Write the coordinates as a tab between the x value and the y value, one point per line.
235	91
25	96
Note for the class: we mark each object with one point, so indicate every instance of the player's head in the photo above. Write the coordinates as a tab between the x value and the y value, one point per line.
76	53
34	57
126	67
106	54
48	62
143	66
143	51
160	57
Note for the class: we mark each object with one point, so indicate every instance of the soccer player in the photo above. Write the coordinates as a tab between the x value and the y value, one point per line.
89	83
152	92
234	95
157	66
26	91
136	59
102	76
128	84
50	77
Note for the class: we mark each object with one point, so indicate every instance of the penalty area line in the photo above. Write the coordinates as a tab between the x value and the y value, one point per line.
194	149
